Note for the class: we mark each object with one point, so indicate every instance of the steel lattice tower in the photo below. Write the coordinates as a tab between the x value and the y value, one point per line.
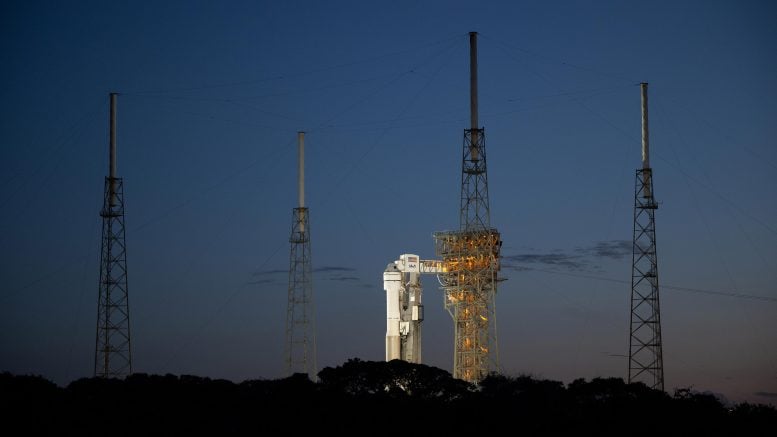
113	354
472	256
300	315
645	356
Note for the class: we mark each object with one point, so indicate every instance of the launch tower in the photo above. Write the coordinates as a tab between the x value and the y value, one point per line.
113	355
471	255
300	350
645	357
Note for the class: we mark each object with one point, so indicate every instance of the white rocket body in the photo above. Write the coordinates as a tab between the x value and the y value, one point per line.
392	282
404	308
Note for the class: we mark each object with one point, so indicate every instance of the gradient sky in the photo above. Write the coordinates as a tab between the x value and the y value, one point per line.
213	93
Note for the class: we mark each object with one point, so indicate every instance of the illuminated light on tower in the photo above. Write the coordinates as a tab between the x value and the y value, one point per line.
113	354
645	356
300	353
471	256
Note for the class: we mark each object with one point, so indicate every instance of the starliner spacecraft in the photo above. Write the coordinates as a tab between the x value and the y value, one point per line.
404	308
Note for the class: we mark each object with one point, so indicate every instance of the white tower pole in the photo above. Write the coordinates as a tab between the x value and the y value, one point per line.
645	137
473	92
301	168
301	179
112	152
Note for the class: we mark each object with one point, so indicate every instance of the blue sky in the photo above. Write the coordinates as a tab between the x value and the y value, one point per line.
213	93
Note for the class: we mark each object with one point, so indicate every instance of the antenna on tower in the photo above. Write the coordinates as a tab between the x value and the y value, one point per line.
645	135
300	313
646	362
471	255
473	93
113	354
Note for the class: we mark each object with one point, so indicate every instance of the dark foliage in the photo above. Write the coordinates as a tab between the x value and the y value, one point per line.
393	380
364	397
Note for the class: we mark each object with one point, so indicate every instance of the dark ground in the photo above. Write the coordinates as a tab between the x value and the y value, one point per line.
370	398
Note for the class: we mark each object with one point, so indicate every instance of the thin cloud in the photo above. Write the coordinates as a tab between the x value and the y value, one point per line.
613	249
582	258
261	281
766	394
558	259
338	273
269	272
515	267
325	269
334	269
343	278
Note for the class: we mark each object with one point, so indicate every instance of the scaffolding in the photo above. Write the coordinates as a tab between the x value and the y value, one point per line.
471	261
646	362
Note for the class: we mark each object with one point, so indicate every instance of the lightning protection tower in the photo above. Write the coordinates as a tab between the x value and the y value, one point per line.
471	256
300	316
113	355
645	357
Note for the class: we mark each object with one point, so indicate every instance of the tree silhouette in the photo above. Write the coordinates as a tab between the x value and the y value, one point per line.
366	397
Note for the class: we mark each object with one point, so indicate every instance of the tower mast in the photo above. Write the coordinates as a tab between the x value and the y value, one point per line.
645	352
113	354
471	255
300	351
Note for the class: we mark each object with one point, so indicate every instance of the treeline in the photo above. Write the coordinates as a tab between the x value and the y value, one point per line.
370	398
